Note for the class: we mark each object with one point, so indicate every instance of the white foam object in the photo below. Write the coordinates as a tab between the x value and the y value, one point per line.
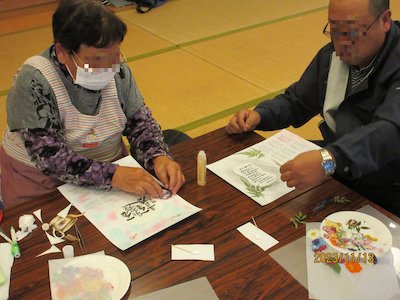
68	251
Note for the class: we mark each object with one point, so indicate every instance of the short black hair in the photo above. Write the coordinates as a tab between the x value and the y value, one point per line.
378	6
87	22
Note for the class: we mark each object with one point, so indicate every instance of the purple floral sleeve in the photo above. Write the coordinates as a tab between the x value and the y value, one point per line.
51	155
145	137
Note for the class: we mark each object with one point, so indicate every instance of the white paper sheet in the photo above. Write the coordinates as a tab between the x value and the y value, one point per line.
197	289
193	252
373	282
255	170
292	257
257	236
6	262
123	218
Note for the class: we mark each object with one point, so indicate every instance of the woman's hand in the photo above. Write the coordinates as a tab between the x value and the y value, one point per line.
169	172
135	180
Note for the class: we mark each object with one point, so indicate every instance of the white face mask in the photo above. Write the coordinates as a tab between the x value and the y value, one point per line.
93	78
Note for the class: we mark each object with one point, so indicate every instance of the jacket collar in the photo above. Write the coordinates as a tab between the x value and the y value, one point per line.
387	58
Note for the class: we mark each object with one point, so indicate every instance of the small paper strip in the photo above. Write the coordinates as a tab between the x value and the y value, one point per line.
257	236
193	252
64	212
54	240
52	249
38	214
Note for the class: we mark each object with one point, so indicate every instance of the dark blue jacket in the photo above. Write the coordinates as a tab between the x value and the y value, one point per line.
366	144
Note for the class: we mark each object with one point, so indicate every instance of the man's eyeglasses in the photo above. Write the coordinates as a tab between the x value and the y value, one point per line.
353	33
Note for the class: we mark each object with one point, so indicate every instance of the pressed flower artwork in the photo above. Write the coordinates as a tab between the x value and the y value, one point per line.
355	232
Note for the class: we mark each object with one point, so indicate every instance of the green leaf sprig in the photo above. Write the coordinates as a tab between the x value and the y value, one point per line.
257	153
254	190
341	199
298	219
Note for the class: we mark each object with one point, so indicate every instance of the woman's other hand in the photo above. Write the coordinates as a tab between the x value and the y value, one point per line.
169	172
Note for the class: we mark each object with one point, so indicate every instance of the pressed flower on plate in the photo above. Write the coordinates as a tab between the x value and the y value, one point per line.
313	234
318	245
353	267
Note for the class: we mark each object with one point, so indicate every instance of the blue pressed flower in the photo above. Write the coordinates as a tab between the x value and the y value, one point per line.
317	244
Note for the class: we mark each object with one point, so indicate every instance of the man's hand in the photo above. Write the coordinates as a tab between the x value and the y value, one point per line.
243	121
304	171
169	172
136	180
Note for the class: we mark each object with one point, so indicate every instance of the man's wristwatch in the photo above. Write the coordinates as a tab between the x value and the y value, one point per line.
328	164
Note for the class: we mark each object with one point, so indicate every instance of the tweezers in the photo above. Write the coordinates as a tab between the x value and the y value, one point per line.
80	239
4	236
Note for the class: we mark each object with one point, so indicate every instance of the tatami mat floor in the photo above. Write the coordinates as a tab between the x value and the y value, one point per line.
195	61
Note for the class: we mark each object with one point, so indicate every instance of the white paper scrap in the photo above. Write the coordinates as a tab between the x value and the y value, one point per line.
255	175
21	234
257	236
193	252
54	240
38	214
6	262
64	212
52	249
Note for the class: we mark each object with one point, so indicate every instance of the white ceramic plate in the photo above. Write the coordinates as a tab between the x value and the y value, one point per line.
354	232
105	274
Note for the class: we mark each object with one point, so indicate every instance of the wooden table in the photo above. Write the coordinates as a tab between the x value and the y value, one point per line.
241	270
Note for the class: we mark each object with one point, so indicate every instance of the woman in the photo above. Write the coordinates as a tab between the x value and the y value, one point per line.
70	106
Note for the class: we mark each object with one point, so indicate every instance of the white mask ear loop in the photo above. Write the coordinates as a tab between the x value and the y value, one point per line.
76	65
85	65
70	73
73	59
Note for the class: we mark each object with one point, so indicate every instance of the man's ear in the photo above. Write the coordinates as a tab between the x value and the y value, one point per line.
387	20
62	54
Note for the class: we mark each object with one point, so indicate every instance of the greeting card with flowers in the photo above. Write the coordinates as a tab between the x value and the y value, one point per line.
255	170
126	219
333	274
355	232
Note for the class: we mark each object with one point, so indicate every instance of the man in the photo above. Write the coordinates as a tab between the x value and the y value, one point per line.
354	83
